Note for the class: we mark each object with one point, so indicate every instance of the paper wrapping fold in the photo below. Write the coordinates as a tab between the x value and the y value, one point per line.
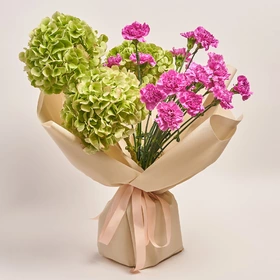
192	154
201	145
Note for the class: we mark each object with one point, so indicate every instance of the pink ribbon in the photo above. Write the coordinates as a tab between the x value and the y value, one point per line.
144	220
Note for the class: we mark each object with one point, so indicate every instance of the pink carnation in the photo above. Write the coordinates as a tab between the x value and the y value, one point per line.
188	35
218	67
243	87
143	58
170	116
171	82
136	31
202	37
113	60
180	51
223	95
192	102
151	96
200	74
190	78
205	38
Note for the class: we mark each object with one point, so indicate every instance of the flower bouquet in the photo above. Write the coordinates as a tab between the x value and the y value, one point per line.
137	117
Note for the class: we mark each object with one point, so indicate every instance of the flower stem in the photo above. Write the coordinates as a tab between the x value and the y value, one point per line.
133	134
146	128
138	143
193	55
130	149
139	74
207	92
180	69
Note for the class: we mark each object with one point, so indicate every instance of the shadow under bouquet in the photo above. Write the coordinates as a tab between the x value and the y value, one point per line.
139	118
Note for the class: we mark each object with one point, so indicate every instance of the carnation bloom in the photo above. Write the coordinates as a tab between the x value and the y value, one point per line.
192	102
113	60
151	96
202	37
188	35
189	79
223	95
136	31
171	82
180	51
218	67
143	58
170	116
200	74
243	87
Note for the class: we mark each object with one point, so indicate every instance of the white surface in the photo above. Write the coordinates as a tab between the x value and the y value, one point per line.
229	212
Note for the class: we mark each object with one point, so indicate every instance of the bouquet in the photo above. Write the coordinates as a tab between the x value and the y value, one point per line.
137	117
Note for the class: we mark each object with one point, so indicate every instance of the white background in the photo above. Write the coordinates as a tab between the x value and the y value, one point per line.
229	212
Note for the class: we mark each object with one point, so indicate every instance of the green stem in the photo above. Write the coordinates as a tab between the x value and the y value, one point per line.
133	134
146	138
207	92
180	69
139	74
146	128
150	134
193	55
139	125
130	149
154	146
139	140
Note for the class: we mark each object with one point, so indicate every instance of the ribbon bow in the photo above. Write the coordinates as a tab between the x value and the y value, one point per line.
144	220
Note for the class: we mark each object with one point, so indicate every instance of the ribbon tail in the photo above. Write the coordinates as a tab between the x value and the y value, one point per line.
151	212
167	218
115	214
139	230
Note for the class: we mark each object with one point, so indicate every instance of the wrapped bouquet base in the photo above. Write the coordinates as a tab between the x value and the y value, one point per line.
140	226
139	229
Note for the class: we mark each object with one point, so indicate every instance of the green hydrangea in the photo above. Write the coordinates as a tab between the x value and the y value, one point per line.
103	108
61	50
163	58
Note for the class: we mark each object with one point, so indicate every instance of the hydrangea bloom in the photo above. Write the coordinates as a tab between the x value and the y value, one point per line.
200	74
218	67
202	37
105	105
143	58
170	116
243	87
192	102
136	31
171	82
113	60
223	95
61	50
151	96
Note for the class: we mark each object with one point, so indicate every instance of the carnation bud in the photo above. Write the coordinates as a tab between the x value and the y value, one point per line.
191	42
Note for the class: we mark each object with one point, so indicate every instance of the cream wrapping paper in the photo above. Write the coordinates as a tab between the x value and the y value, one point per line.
200	146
